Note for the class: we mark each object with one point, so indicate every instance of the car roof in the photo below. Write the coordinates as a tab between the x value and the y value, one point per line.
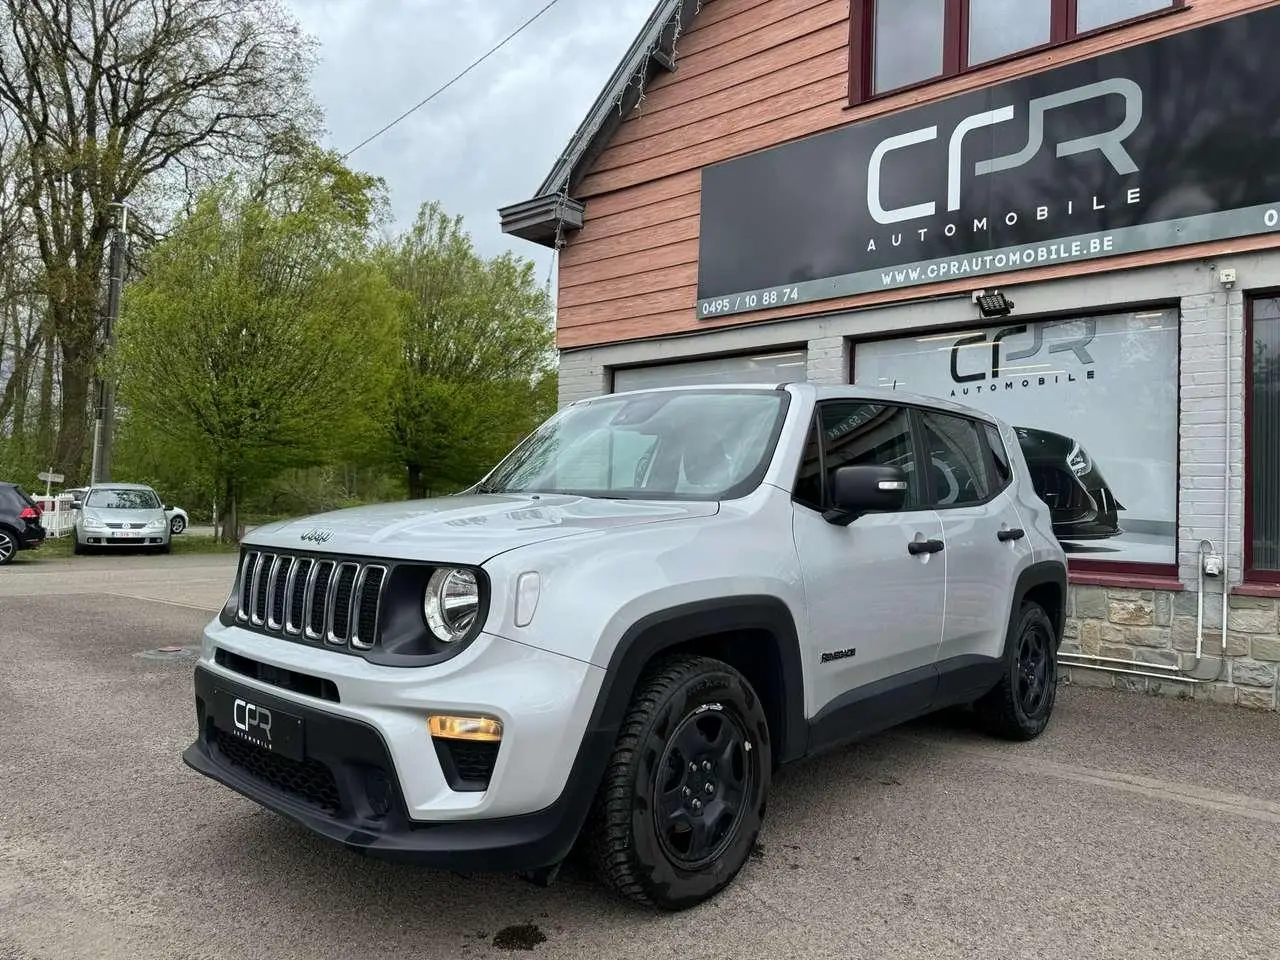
115	486
818	392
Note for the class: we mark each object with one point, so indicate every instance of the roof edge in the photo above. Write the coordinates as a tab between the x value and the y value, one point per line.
652	50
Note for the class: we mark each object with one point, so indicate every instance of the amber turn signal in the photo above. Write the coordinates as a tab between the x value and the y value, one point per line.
465	728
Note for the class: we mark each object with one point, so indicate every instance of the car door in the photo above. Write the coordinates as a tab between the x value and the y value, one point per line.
874	605
968	476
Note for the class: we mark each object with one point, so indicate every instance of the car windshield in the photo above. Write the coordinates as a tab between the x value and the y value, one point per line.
116	499
663	445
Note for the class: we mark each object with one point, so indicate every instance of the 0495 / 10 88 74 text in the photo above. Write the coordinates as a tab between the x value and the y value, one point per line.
761	300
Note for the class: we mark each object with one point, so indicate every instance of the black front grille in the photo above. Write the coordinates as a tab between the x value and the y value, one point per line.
308	780
319	599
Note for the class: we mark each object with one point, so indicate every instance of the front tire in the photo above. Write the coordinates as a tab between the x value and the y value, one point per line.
177	525
683	796
1021	704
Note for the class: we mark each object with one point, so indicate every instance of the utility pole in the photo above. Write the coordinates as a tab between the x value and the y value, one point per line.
104	421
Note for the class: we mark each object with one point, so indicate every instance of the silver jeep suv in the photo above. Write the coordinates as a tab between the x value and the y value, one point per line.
613	640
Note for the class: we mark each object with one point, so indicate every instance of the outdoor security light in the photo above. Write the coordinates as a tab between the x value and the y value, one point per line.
993	303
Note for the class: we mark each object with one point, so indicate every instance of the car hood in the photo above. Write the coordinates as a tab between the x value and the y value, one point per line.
464	529
1043	444
123	516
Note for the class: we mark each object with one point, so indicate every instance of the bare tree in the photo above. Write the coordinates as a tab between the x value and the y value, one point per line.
109	96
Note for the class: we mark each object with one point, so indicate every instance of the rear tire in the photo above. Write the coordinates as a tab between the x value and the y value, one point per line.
1021	704
8	547
683	796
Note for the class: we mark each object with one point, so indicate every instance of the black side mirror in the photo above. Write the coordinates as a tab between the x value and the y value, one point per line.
863	489
76	505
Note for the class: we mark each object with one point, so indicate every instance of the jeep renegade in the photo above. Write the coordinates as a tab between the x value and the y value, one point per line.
612	641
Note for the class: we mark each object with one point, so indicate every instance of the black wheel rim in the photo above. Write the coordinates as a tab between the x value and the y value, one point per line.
703	783
7	548
1035	669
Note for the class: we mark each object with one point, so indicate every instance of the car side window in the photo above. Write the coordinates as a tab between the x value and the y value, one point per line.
854	432
956	474
999	455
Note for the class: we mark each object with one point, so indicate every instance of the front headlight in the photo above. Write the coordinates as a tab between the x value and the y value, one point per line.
156	524
1078	460
451	603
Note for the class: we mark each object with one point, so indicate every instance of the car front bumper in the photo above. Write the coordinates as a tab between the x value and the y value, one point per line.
362	769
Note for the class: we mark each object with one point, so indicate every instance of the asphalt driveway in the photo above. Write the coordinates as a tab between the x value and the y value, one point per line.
1135	828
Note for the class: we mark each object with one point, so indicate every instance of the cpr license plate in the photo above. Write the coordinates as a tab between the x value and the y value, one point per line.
126	534
265	726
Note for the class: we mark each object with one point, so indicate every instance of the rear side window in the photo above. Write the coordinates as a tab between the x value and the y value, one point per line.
999	454
11	500
956	472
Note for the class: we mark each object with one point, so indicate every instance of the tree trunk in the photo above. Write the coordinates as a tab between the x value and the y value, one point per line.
73	413
44	424
416	491
230	524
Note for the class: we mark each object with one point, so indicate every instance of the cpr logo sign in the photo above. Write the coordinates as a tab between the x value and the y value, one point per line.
1109	143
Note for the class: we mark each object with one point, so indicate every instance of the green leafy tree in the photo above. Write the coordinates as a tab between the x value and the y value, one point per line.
262	337
476	354
121	101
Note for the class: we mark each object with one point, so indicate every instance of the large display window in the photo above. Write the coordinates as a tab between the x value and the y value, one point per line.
1094	400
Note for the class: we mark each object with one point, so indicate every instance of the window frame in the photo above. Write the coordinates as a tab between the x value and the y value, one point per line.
1252	574
988	458
955	51
815	425
919	449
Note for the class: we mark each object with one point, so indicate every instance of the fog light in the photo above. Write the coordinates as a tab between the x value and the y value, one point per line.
485	729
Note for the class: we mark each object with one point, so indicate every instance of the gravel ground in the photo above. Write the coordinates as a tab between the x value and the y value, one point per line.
1136	827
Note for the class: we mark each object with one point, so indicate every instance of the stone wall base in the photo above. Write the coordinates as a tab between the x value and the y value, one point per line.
1158	628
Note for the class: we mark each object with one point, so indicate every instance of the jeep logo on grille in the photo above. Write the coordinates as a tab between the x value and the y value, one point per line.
317	536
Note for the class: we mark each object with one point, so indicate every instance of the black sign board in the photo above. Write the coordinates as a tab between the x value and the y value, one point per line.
1171	142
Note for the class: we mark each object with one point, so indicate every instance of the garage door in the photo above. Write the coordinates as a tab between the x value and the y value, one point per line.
757	368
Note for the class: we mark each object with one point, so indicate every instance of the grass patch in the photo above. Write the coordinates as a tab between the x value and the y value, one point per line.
59	548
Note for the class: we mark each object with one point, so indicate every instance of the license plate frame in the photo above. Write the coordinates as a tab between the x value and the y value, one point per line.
259	721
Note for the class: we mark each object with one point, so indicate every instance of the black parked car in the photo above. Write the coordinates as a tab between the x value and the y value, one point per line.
20	527
1081	505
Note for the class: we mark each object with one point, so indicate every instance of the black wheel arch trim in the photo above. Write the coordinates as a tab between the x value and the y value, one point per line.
667	629
1046	572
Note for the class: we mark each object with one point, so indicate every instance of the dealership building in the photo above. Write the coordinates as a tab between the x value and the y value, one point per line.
1063	212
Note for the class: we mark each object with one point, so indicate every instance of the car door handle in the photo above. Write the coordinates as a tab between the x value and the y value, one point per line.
1004	536
917	547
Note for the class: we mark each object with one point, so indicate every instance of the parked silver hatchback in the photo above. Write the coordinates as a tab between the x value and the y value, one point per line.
114	515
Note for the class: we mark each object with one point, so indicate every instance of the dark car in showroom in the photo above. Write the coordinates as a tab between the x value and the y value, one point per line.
1081	504
20	526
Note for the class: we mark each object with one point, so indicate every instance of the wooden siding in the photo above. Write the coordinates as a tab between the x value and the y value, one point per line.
752	74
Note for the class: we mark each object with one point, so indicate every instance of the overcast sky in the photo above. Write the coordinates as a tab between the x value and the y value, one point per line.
490	138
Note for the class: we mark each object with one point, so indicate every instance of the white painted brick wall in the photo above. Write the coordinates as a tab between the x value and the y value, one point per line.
829	360
581	376
1206	397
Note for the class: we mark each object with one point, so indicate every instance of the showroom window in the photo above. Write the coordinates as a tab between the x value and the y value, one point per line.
1110	482
896	44
1262	444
